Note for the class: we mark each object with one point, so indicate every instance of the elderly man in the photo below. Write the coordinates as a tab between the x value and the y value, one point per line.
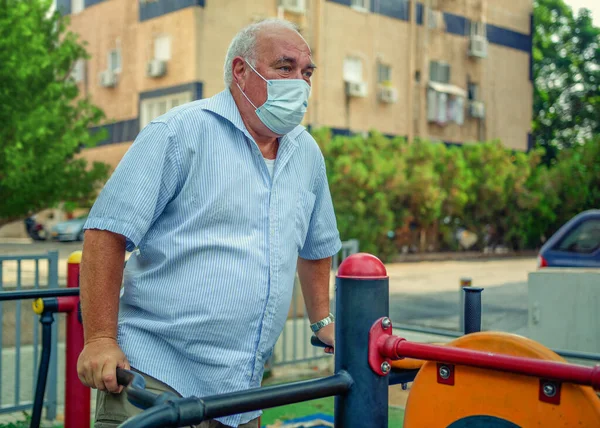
223	199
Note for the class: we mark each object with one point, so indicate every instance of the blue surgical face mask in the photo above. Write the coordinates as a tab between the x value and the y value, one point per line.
287	100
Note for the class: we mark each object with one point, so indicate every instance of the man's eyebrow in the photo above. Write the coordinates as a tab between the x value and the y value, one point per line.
289	60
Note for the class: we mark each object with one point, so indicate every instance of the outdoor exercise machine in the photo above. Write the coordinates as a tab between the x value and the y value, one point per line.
495	380
486	379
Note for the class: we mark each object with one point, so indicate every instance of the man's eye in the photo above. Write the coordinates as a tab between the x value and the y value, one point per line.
286	68
308	74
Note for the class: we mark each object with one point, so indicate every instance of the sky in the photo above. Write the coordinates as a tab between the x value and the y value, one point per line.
593	5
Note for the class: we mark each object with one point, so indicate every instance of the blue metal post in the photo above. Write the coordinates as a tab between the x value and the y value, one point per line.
362	297
472	309
52	386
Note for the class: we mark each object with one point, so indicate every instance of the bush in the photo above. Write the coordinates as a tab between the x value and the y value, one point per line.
380	184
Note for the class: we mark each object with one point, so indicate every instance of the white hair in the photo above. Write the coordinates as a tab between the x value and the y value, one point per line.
244	44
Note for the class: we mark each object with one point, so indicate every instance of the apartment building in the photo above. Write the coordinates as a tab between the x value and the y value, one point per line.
456	71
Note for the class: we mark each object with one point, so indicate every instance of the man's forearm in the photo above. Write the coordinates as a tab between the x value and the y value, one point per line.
314	278
100	284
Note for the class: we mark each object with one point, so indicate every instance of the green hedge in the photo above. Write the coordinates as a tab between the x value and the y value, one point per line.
379	184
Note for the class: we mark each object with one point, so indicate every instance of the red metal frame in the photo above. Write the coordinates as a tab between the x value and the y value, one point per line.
378	335
77	396
396	348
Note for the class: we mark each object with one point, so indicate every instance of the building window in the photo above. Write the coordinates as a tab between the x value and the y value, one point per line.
439	72
384	73
162	48
456	109
353	70
78	72
152	108
77	6
473	91
114	60
360	4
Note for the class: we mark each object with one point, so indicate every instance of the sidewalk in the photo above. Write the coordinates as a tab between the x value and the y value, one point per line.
462	256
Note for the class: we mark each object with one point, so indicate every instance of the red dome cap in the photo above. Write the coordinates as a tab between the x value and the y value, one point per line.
362	266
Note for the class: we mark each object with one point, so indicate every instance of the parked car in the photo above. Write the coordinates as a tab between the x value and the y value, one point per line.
35	230
70	230
576	244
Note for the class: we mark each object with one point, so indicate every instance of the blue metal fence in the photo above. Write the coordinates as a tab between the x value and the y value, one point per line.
22	354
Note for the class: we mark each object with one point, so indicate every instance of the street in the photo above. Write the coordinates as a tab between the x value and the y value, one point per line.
427	293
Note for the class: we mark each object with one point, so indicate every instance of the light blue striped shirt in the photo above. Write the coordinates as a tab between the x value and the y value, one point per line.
209	285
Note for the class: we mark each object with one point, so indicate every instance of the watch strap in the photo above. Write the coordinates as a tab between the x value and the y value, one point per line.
315	327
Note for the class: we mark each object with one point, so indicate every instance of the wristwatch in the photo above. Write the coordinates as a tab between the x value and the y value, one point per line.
320	324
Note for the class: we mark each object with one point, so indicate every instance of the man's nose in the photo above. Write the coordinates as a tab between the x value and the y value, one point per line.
298	74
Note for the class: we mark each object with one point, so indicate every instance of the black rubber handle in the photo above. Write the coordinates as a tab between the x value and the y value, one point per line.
130	378
135	388
314	341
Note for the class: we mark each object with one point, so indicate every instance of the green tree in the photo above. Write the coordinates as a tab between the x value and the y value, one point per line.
566	68
364	175
575	182
44	120
424	195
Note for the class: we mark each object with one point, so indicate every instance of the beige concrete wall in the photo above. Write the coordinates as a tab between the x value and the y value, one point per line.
452	49
115	23
183	31
218	25
511	14
200	38
472	9
371	37
508	96
110	154
105	26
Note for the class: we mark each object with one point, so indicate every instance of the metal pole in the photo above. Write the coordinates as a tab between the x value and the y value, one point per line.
46	320
472	313
52	386
464	282
396	347
362	297
77	395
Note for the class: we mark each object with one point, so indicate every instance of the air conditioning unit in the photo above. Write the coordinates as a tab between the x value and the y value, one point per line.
356	89
477	109
156	68
294	6
388	94
478	46
108	79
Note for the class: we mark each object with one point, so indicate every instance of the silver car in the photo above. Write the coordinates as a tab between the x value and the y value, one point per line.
70	230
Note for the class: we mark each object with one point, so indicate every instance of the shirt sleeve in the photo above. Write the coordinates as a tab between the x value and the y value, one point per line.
323	238
143	183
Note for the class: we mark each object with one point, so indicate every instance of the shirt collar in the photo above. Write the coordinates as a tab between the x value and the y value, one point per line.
224	105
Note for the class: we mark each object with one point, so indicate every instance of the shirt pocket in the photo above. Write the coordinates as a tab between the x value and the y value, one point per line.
304	208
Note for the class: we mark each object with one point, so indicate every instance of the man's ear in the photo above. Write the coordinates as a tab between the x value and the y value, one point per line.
239	70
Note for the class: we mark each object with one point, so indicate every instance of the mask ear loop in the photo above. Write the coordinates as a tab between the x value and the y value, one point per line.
243	93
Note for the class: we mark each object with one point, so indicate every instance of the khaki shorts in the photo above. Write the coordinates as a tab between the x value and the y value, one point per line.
114	409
